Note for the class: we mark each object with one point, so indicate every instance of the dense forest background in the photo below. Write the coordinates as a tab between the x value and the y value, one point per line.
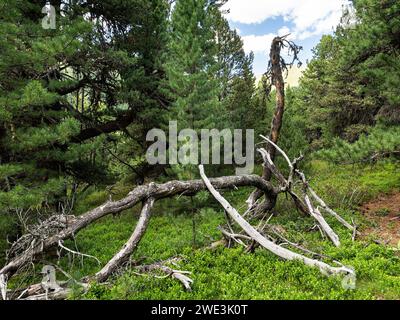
76	103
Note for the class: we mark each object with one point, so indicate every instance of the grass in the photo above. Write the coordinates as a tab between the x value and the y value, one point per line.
384	212
233	274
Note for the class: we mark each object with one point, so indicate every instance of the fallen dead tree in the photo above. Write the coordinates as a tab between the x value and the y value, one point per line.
263	241
148	194
139	194
36	249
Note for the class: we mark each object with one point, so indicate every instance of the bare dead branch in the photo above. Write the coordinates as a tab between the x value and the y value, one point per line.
139	194
264	242
316	214
179	275
329	210
279	150
128	248
61	245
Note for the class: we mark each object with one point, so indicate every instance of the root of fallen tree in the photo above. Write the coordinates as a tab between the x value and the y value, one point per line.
51	234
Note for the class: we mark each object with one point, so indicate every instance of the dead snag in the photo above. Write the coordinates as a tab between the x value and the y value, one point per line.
274	77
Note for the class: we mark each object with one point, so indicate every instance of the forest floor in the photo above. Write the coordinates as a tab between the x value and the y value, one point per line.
359	194
384	212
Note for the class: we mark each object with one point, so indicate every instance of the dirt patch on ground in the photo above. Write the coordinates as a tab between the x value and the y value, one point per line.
384	213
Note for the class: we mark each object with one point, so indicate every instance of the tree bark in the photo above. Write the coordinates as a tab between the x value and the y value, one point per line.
275	73
278	82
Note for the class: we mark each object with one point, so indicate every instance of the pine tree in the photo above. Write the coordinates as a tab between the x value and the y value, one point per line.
351	84
239	104
235	76
380	143
65	91
191	65
191	69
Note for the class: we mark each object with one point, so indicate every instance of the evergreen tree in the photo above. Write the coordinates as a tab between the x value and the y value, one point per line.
351	84
191	65
235	76
191	70
65	91
380	143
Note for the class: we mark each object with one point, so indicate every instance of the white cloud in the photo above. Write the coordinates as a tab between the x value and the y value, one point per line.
262	43
257	43
309	17
283	31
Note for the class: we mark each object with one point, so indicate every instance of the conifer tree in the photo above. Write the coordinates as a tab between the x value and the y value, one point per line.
65	91
191	66
191	70
194	78
350	85
235	77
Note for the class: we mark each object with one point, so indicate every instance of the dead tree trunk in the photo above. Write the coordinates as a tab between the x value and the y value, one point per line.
274	77
277	80
125	253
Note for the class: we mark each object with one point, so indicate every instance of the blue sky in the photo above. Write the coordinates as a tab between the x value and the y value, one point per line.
259	21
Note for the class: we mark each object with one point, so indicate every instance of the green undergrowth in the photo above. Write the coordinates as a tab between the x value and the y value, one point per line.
224	273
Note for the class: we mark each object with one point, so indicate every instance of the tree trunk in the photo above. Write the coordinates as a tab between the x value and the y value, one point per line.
278	82
275	73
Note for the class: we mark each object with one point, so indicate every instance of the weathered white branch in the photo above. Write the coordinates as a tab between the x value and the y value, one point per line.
280	151
271	166
60	243
322	203
3	287
264	242
316	214
179	275
185	280
235	237
329	210
128	248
